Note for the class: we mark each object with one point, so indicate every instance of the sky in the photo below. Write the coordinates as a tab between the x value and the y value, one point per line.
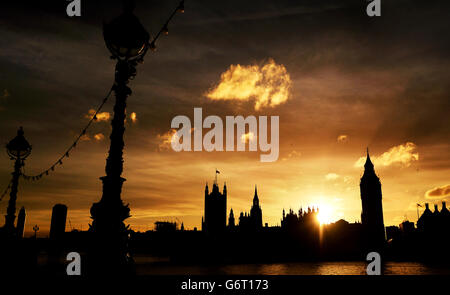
338	80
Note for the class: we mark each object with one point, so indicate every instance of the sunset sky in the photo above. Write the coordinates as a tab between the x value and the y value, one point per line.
339	81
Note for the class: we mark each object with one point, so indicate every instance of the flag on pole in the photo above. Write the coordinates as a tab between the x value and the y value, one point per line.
217	171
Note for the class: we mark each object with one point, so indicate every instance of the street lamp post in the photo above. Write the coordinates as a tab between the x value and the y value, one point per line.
35	229
128	42
18	149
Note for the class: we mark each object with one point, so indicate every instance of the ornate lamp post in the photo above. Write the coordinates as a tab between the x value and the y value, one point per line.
35	229
128	42
18	149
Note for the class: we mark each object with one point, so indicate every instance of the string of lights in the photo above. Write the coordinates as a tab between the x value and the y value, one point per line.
165	27
66	154
59	161
6	190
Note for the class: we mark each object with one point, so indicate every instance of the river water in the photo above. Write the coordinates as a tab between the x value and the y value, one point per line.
145	267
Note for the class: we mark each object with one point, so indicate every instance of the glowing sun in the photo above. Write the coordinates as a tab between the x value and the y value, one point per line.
325	214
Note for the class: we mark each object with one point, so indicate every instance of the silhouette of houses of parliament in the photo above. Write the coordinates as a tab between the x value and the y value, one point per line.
249	221
165	226
215	218
307	218
300	236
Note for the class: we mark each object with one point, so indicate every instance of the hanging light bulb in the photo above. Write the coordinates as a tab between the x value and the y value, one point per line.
181	7
165	30
153	46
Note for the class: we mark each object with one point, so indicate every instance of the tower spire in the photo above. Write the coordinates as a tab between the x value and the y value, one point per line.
255	198
368	165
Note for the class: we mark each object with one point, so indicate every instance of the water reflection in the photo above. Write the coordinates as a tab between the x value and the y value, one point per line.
319	268
300	268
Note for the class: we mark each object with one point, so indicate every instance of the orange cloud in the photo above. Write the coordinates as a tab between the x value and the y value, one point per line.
404	155
85	137
342	138
133	117
268	85
293	154
247	136
99	136
331	176
438	192
104	116
165	140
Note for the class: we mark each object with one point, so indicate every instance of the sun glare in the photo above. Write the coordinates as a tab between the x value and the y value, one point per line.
325	215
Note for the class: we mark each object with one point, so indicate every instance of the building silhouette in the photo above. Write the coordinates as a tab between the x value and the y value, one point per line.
434	222
372	208
304	218
166	226
58	223
407	227
424	223
299	237
215	217
256	212
21	223
231	220
445	216
252	221
428	242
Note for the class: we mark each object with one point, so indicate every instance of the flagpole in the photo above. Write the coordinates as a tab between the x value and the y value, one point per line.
217	172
